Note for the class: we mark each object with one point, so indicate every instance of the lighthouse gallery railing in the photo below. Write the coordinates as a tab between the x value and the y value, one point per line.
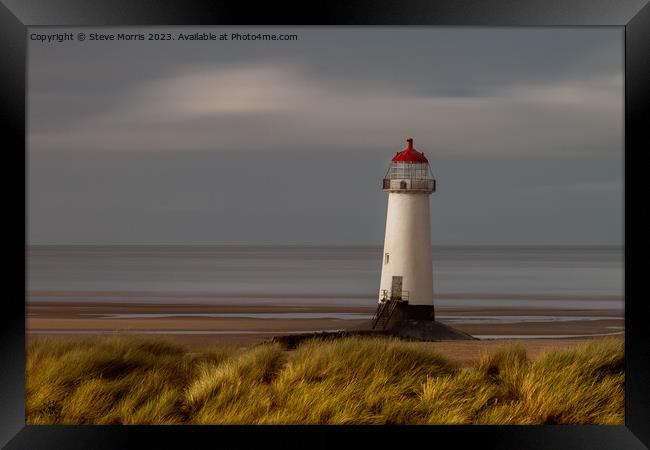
407	184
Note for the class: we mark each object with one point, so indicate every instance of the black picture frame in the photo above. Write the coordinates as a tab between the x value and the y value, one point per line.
17	15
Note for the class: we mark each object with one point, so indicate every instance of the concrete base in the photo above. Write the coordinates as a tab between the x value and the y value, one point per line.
405	312
414	322
418	312
418	322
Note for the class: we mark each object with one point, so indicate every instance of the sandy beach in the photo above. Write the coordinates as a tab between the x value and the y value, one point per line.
200	326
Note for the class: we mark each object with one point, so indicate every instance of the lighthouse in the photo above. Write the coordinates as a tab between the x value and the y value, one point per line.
407	275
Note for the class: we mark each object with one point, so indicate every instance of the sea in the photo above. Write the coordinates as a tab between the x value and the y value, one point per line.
554	277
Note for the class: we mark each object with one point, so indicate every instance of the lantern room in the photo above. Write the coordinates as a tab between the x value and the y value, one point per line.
409	171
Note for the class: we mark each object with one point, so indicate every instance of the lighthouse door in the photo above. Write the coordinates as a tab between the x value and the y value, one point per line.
396	289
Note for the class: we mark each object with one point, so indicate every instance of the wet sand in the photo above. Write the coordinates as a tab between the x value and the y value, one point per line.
198	326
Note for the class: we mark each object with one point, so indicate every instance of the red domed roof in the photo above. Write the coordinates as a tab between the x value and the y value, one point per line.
410	155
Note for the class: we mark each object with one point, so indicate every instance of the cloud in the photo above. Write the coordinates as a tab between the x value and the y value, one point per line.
601	91
256	106
208	92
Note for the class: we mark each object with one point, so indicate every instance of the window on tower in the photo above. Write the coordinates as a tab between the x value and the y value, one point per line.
387	258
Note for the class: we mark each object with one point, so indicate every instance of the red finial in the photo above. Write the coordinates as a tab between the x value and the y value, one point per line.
410	154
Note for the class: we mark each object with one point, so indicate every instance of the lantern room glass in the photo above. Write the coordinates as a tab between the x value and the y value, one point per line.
409	171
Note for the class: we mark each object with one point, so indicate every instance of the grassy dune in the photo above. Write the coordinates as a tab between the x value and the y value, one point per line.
136	380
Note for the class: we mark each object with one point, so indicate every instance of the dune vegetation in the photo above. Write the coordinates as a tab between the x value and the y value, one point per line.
371	380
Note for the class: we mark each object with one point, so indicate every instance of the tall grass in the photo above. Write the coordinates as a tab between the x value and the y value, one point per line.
372	380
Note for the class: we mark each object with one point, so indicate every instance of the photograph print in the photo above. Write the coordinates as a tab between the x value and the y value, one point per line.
325	225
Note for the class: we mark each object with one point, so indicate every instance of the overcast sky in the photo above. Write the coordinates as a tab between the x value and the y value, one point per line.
224	142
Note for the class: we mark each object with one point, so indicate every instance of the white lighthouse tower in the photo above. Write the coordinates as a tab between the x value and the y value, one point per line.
407	274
